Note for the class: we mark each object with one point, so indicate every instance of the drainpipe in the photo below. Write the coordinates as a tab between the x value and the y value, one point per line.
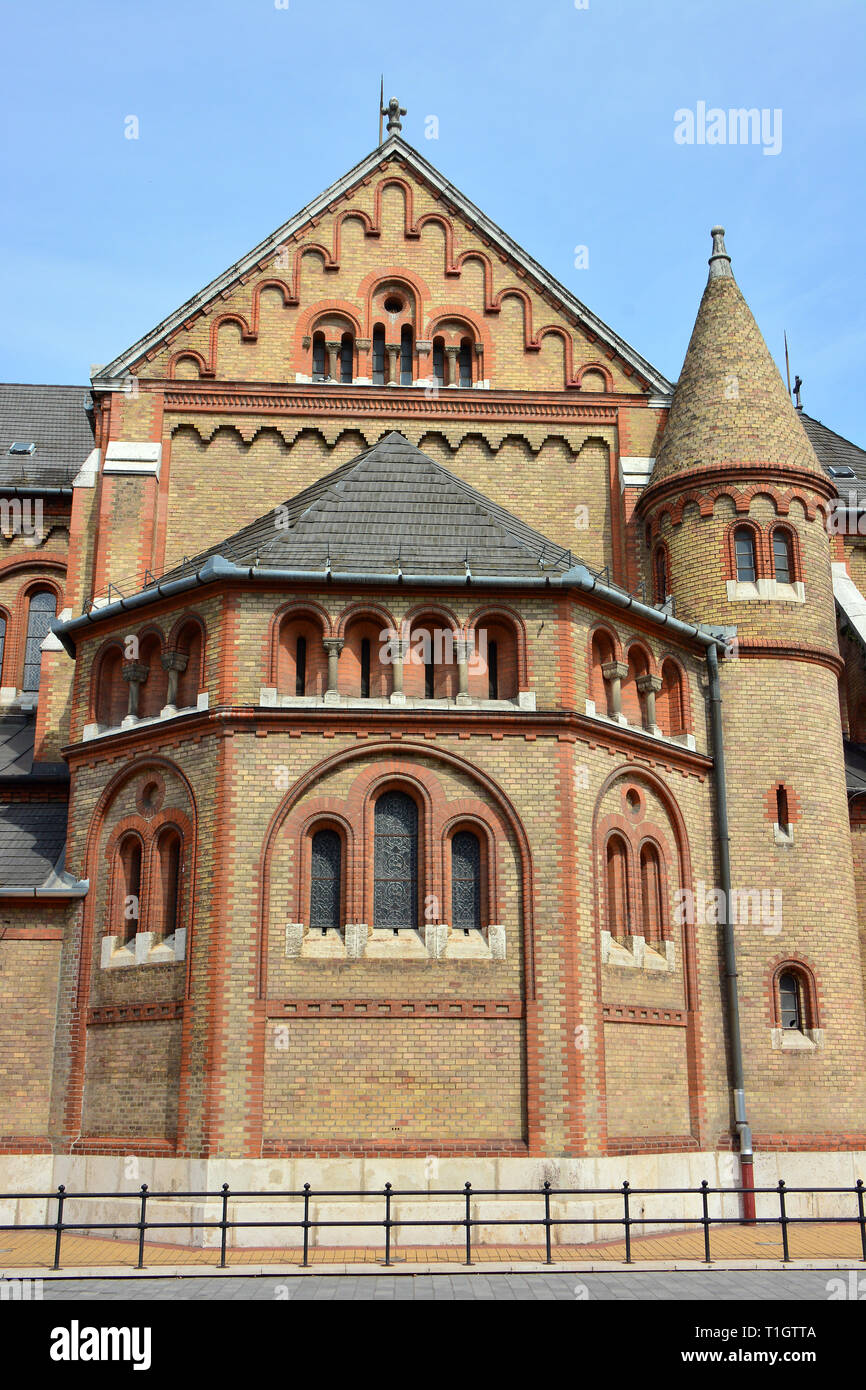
738	1085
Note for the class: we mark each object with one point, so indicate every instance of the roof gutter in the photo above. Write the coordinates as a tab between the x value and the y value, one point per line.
34	490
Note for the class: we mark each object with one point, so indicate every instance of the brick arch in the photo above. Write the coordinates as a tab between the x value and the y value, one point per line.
97	689
188	355
666	716
790	531
598	367
431	610
741	523
372	783
503	613
295	608
360	610
370	283
412	757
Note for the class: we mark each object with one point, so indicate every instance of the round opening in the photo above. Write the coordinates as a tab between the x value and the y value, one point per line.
150	796
393	304
632	800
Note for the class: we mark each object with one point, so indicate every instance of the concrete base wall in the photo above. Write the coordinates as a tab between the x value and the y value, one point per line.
578	1218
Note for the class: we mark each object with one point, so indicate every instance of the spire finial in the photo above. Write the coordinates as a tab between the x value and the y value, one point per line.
394	111
720	261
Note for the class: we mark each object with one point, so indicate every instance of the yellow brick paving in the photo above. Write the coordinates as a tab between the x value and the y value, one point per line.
35	1249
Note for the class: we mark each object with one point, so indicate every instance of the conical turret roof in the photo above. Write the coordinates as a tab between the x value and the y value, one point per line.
730	406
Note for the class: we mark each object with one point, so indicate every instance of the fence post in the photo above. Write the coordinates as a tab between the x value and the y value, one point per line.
547	1220
58	1225
141	1226
862	1217
706	1221
306	1221
783	1219
223	1225
387	1223
627	1223
468	1223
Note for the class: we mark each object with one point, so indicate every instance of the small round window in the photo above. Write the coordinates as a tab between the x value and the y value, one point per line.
393	304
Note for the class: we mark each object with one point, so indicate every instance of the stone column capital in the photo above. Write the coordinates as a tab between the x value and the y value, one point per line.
134	671
174	660
614	670
649	683
333	645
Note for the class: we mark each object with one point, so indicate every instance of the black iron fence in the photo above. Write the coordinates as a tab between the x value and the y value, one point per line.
546	1220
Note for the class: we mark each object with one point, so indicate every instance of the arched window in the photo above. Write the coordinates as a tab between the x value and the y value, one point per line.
790	1002
783	558
320	357
379	355
301	666
395	862
618	888
744	554
429	677
660	574
43	607
154	690
466	882
671	701
325	881
493	670
652	899
2	644
168	852
365	668
112	692
464	362
602	652
407	348
190	641
128	907
439	361
347	358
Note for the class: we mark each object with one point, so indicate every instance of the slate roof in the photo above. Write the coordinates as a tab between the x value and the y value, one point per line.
834	451
54	419
855	767
17	737
32	838
390	510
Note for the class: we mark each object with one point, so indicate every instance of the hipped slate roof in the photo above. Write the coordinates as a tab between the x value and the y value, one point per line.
55	420
17	739
836	452
391	510
32	839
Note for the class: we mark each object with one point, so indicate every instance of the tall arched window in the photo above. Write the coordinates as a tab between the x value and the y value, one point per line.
347	358
168	852
320	357
301	666
783	566
466	881
43	607
744	554
325	881
365	668
128	907
652	900
464	362
671	701
407	348
618	888
395	862
660	574
379	355
782	808
439	361
2	644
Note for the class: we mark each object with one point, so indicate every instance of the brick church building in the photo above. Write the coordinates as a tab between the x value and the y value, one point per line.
432	743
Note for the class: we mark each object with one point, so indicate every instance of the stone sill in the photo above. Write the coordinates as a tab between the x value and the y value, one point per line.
143	950
92	731
764	591
356	942
637	955
681	740
793	1040
269	698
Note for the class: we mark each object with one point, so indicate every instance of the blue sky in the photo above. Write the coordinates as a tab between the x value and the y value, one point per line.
558	121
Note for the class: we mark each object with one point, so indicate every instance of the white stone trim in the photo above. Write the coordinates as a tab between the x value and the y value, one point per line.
87	473
635	470
137	457
764	591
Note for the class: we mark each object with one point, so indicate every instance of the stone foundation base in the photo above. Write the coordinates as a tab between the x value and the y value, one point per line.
579	1218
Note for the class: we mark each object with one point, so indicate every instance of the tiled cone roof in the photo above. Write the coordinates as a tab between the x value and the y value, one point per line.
392	509
730	405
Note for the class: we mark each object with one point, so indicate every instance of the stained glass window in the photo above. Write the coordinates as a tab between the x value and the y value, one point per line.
466	881
43	607
395	862
327	854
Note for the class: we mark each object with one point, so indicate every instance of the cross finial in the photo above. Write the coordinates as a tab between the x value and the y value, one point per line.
798	386
394	111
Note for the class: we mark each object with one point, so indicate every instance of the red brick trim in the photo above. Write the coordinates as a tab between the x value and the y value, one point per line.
642	1013
697	485
416	1148
29	933
395	1009
792	651
799	965
661	1143
134	1013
